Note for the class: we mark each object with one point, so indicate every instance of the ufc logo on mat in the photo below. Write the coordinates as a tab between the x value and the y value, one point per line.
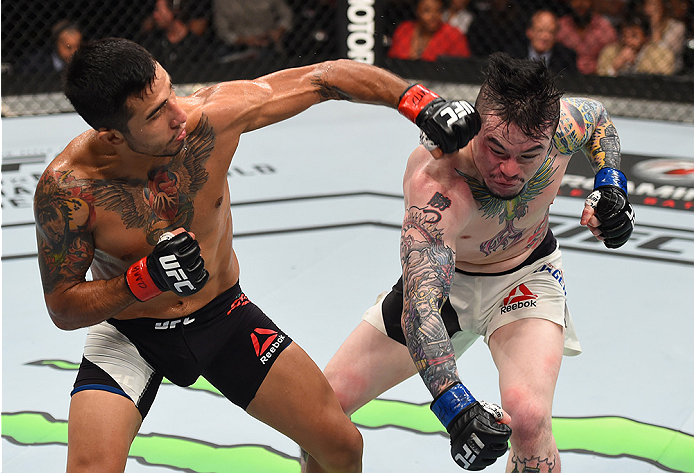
466	460
456	111
173	270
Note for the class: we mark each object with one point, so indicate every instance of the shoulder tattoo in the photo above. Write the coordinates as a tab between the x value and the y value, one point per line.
64	213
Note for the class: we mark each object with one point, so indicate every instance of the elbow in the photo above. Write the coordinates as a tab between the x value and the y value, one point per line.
63	321
339	64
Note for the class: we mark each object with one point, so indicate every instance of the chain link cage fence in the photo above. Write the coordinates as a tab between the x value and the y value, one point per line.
637	56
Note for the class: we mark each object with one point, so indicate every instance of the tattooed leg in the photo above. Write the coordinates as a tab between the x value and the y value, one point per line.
533	465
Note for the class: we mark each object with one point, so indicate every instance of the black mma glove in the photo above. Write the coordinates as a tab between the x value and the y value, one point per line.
612	208
174	265
449	125
477	439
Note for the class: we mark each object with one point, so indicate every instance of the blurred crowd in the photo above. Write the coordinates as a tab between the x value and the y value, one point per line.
589	37
599	37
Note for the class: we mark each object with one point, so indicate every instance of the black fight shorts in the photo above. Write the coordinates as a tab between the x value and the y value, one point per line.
230	342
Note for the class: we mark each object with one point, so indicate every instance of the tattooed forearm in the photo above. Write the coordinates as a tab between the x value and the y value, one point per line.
327	91
64	213
604	147
428	269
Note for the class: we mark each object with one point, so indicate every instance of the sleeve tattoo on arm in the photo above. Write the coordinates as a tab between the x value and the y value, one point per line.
64	213
428	270
586	124
604	147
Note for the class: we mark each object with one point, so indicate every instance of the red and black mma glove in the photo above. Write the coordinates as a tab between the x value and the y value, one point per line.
477	439
449	125
174	265
612	207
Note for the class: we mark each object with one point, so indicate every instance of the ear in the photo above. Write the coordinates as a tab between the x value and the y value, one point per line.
111	136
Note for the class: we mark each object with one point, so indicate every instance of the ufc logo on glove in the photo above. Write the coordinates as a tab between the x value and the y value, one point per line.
173	270
456	111
466	460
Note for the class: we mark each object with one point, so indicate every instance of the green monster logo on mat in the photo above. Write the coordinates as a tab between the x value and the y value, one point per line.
612	436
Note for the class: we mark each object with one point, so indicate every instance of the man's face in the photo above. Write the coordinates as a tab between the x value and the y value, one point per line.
68	43
505	157
543	32
157	127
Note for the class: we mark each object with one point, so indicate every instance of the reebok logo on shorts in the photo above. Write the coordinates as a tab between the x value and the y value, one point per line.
238	302
520	297
266	342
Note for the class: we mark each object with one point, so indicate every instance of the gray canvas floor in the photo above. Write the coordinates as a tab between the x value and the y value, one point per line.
317	206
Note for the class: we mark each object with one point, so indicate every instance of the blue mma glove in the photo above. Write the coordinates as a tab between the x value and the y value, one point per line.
477	439
612	208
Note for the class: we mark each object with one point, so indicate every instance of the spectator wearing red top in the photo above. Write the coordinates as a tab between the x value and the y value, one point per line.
586	32
428	36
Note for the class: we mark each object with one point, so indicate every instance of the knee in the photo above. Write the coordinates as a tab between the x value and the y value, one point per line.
94	461
344	455
531	418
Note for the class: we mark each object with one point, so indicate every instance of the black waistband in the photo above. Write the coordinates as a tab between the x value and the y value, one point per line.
219	303
546	247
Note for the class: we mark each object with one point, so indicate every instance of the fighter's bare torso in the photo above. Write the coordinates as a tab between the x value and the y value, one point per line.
127	207
498	234
102	204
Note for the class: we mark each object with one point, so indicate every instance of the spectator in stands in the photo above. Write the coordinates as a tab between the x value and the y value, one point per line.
171	42
66	38
251	28
197	15
459	14
542	43
635	53
498	28
666	31
683	10
586	32
428	36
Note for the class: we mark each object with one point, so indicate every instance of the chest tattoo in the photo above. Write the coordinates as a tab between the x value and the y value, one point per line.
511	209
165	201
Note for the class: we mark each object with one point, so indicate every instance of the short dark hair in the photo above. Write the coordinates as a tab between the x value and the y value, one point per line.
522	92
102	75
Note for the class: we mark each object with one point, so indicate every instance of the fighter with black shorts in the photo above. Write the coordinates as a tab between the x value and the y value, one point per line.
230	342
